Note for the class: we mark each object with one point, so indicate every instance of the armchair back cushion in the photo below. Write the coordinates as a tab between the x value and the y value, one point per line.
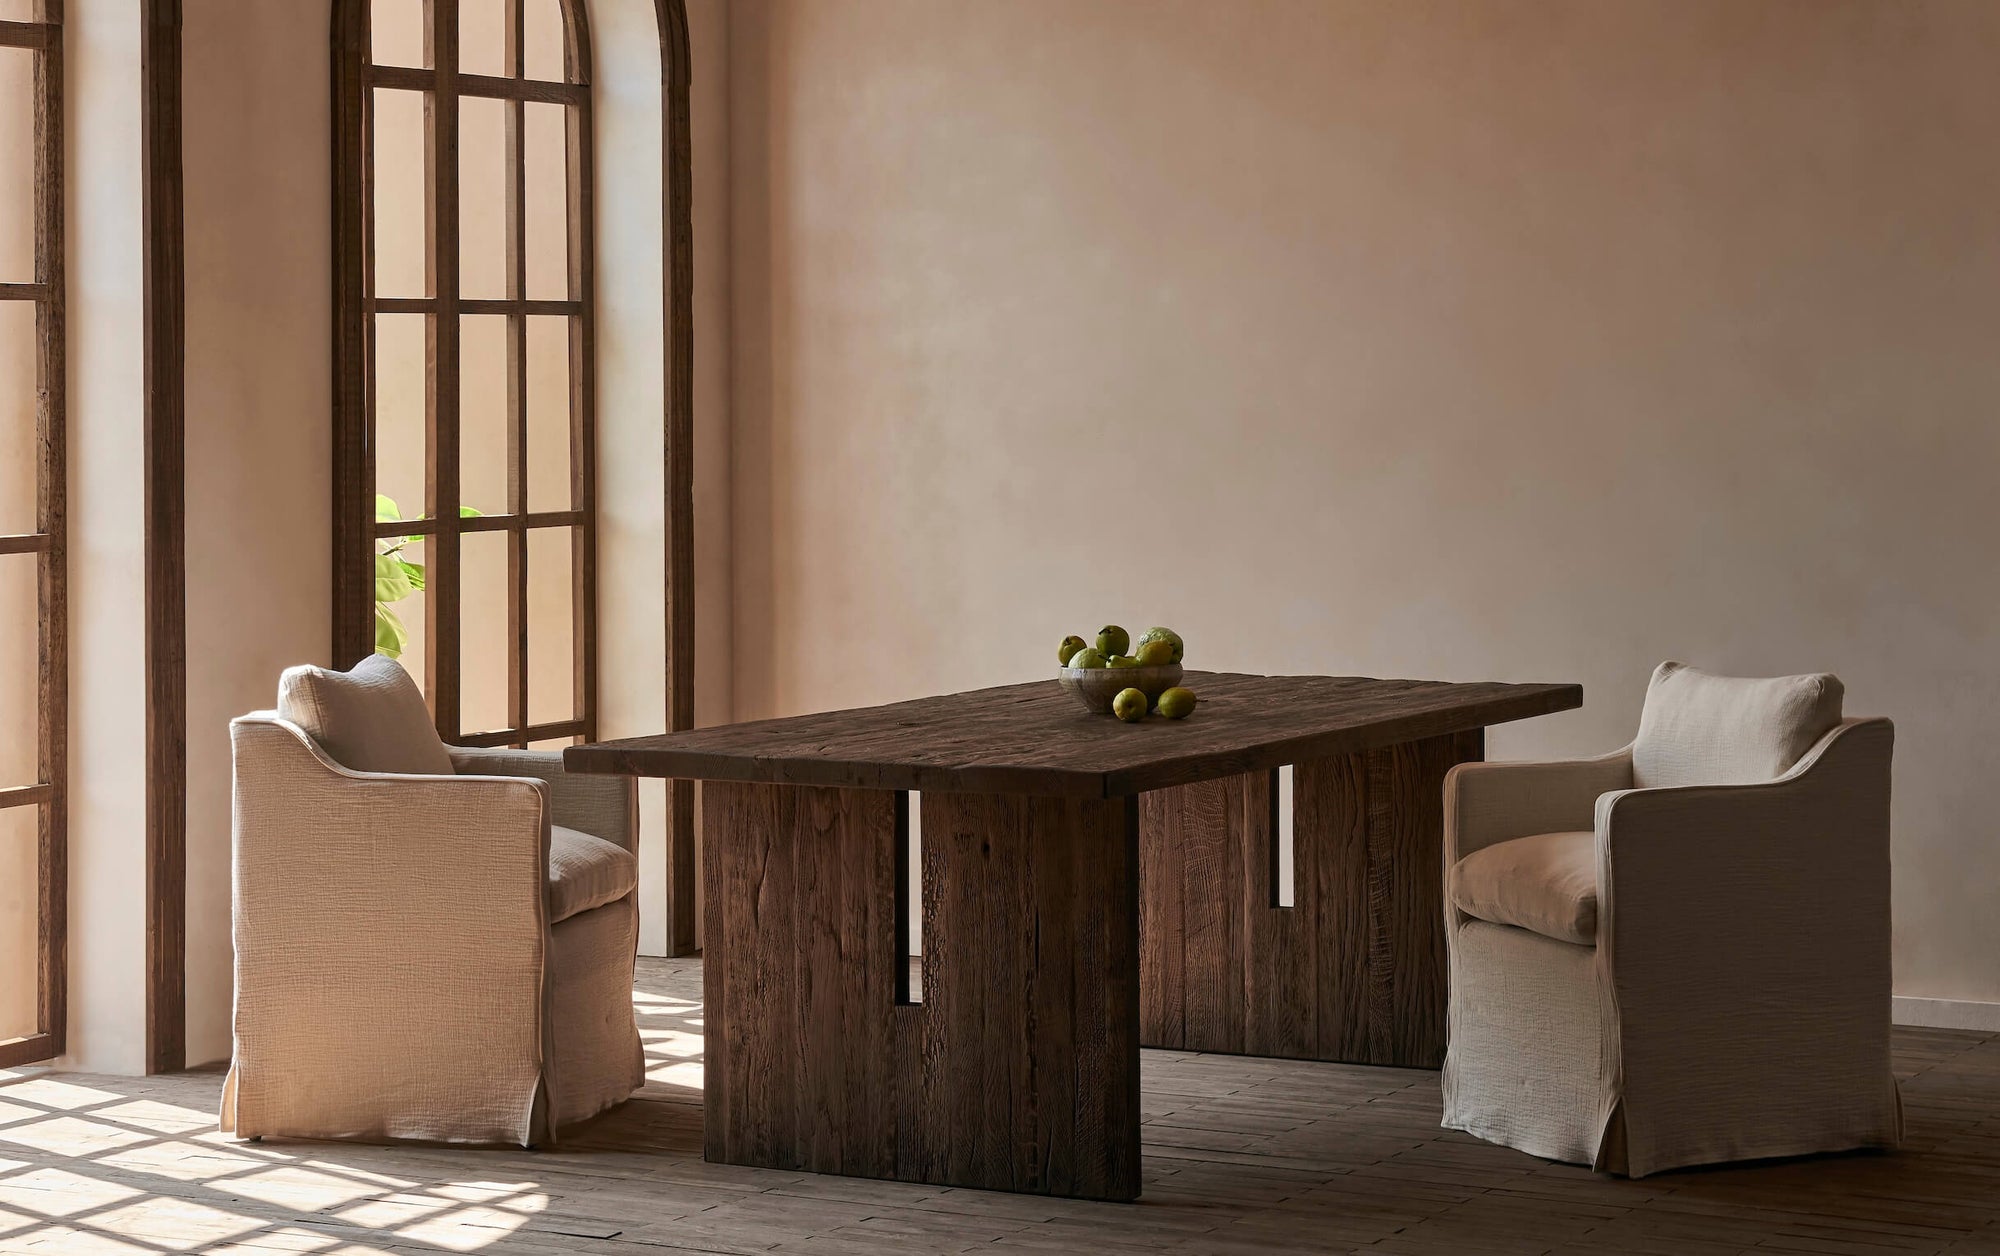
371	719
1700	729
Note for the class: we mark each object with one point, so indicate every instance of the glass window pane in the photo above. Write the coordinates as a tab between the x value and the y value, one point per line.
17	417
401	627
542	41
20	647
17	165
401	209
483	673
551	628
548	414
545	154
397	32
20	886
400	391
482	38
482	413
482	197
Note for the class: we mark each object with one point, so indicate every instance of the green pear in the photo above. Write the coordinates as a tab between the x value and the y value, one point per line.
1167	635
1129	705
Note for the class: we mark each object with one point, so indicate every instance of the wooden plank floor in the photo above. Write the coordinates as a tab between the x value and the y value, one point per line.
1242	1155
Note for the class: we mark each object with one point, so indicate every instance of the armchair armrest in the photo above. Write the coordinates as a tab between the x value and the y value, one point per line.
1691	867
1751	924
1485	803
391	937
600	805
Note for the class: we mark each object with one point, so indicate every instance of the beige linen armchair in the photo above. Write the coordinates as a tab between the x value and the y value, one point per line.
431	943
1677	954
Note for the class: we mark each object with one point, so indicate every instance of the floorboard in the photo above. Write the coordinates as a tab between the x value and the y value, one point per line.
1241	1155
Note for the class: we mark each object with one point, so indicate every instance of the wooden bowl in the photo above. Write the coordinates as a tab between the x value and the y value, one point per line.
1095	687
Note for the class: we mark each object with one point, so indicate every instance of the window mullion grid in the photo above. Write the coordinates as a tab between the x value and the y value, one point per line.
517	389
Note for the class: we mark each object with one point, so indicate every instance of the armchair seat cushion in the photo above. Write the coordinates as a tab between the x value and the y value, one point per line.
1546	884
587	872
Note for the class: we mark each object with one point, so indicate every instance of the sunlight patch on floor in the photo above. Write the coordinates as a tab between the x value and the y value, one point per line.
112	1171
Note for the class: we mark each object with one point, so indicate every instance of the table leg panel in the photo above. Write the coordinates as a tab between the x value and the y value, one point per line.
845	975
1278	960
1017	1071
1374	825
1030	994
799	976
1193	890
1162	897
1354	970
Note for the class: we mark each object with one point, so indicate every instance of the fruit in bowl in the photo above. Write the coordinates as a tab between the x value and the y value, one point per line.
1168	635
1109	681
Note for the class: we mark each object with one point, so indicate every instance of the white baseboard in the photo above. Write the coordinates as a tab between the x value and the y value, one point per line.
1947	1013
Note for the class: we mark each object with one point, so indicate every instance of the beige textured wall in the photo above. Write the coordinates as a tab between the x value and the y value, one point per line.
259	358
1451	338
107	743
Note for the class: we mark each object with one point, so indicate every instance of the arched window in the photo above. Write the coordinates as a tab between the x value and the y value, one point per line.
34	670
464	476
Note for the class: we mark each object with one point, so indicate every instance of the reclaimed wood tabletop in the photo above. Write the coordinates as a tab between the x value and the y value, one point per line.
1034	739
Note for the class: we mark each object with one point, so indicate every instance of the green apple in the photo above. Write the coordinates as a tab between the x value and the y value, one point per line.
1111	639
1067	650
1129	705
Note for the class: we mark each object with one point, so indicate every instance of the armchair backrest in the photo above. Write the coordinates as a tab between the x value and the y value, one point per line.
368	719
1701	729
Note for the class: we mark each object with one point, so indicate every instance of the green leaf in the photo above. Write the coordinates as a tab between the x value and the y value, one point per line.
386	510
392	583
390	635
470	512
414	573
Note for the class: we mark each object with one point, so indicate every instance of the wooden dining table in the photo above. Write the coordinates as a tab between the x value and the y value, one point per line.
1089	887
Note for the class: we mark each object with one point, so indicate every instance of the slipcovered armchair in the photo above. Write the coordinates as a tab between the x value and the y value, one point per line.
432	943
1677	954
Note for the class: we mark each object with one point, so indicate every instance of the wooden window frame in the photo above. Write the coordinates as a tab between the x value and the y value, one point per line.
353	530
356	79
49	543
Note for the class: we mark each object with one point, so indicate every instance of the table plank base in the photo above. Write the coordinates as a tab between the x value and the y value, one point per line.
1018	1071
1353	971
